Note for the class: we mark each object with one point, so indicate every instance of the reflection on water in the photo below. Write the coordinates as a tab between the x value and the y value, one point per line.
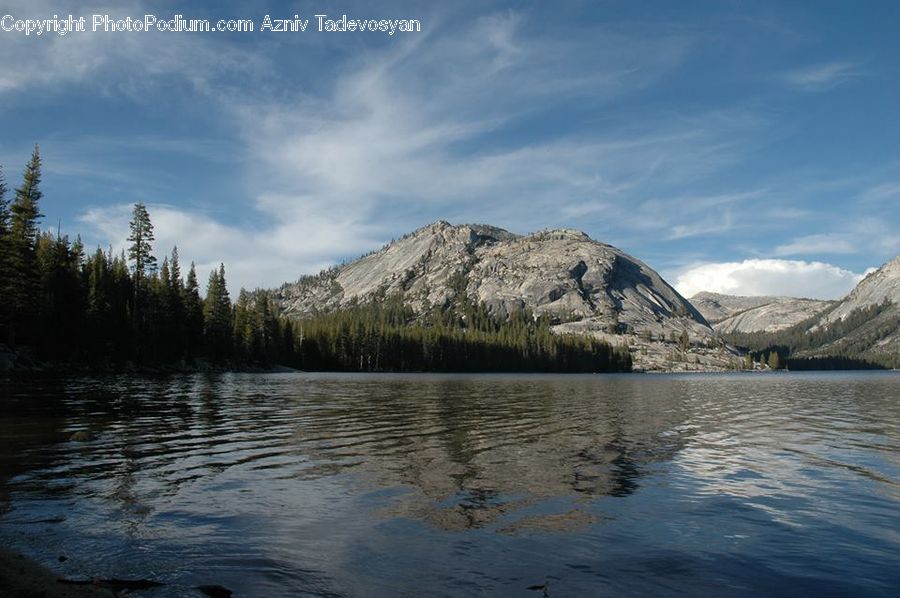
452	485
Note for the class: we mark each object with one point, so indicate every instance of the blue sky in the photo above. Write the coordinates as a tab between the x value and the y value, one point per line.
746	147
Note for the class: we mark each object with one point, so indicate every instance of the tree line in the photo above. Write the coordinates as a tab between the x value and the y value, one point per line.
111	310
388	335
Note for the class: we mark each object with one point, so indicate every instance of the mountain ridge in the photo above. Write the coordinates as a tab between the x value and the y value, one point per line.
858	330
875	302
742	313
581	285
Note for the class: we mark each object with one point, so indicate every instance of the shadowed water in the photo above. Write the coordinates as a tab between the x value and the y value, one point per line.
327	484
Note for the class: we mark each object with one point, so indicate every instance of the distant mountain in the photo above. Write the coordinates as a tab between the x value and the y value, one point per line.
880	286
732	313
863	327
868	320
582	285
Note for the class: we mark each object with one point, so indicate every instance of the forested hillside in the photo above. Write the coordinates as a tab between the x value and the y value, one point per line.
63	306
838	344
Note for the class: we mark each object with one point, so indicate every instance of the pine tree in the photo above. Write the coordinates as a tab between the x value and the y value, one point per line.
122	312
175	281
193	315
4	205
62	299
25	213
99	306
6	277
163	320
684	340
217	317
144	307
244	333
174	303
141	250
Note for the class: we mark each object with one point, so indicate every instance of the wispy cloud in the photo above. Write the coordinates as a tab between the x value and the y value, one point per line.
819	244
413	132
884	192
384	152
822	77
684	216
500	120
120	63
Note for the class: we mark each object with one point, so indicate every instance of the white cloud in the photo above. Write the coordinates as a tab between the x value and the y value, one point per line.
822	77
751	277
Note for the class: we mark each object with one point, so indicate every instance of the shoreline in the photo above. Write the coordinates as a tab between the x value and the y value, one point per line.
22	577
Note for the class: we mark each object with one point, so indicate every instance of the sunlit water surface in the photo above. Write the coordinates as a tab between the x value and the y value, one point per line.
382	485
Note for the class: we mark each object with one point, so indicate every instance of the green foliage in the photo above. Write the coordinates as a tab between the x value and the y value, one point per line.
258	333
61	304
6	275
217	317
387	336
25	209
23	287
192	313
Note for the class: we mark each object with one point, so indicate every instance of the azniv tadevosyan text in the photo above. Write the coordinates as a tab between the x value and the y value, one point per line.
299	25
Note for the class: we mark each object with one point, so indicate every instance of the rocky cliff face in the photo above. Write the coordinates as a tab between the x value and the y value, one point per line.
730	313
587	287
876	288
875	337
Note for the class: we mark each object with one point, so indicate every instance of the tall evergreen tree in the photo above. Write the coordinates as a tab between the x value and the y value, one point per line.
62	304
144	307
175	281
193	315
6	277
99	305
243	326
174	303
4	205
140	252
123	305
217	317
25	213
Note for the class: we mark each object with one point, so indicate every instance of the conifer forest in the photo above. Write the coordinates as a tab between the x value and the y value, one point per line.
67	306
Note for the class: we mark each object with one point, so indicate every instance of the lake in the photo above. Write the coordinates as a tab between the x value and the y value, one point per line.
460	485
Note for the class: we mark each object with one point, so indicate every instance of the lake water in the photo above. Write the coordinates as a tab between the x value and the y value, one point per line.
427	485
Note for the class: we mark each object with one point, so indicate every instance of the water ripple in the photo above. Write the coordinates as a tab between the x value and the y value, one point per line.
449	485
